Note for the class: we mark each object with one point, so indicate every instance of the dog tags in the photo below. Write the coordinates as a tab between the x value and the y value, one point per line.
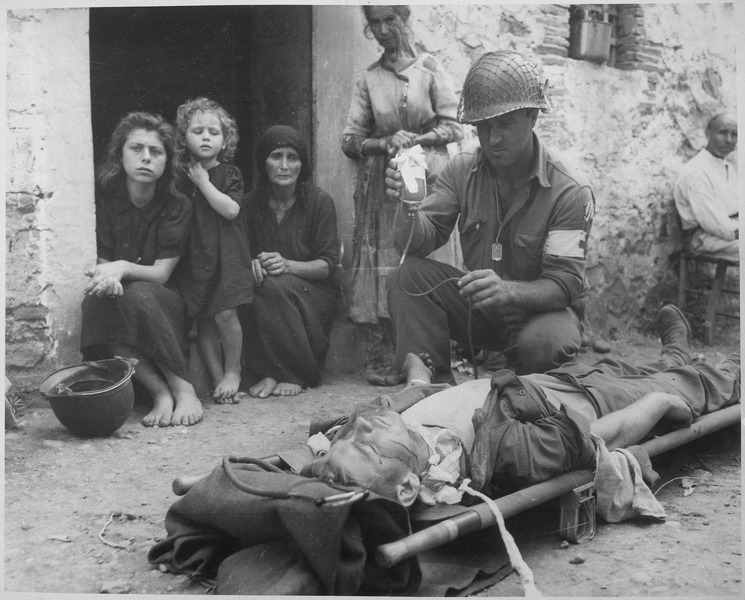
496	251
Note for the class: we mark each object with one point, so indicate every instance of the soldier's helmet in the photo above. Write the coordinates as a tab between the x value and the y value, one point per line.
500	82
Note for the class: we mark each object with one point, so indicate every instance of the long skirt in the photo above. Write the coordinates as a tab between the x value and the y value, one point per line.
286	334
149	317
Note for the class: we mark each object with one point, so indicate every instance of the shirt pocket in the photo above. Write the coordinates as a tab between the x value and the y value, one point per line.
529	245
470	226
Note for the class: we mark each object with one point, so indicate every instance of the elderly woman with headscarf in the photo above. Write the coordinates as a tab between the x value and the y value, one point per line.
403	99
292	231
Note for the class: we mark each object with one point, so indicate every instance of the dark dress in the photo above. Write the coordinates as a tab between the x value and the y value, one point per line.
215	273
286	335
149	316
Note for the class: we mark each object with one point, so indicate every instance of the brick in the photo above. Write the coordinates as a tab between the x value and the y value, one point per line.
30	312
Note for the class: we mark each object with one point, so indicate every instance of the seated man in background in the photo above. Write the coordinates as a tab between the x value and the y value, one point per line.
515	431
706	194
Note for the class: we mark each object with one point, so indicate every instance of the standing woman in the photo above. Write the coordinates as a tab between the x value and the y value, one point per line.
403	99
130	308
292	230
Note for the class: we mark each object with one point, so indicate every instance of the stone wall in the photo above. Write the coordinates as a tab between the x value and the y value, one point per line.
629	128
50	219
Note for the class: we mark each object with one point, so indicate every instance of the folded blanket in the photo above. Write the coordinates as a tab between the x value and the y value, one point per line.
283	546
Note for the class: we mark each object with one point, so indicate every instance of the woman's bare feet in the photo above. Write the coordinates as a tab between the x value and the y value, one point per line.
417	369
226	390
188	410
287	389
161	412
264	388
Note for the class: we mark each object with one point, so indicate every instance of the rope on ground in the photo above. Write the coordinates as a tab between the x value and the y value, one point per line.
107	542
516	560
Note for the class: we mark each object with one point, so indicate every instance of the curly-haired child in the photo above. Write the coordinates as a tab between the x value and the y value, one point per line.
215	275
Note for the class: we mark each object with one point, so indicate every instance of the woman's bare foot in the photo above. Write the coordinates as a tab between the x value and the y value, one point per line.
188	409
417	369
287	389
264	388
226	390
161	412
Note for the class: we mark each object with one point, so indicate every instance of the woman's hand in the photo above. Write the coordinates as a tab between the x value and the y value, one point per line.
273	263
197	174
259	273
400	139
106	279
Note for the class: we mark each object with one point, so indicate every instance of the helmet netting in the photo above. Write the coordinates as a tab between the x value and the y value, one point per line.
498	83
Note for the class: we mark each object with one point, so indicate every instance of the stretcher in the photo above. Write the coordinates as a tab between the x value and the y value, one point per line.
574	489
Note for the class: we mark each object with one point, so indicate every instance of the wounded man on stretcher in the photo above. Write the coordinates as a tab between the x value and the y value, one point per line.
421	444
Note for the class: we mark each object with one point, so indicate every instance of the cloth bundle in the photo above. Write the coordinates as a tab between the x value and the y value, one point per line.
253	544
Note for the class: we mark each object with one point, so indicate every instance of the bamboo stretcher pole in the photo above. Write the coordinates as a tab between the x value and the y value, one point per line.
480	516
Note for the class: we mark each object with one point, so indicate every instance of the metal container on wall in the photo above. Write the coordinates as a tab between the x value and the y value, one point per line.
590	40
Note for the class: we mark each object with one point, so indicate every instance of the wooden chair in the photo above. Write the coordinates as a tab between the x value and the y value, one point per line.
687	259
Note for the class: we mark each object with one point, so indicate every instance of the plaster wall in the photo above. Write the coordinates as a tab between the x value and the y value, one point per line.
340	54
50	218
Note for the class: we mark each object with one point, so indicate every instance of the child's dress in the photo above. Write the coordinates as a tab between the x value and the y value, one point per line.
215	273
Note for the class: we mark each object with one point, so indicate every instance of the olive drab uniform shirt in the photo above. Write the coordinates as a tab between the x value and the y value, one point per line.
543	235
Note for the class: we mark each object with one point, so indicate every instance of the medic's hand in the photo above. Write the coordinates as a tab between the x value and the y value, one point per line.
393	182
485	288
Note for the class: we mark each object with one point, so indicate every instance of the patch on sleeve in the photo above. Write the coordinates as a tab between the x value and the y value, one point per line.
571	243
589	209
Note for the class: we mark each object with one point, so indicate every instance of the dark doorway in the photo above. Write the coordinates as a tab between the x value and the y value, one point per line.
254	60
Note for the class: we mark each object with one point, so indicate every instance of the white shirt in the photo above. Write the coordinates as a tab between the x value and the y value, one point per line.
706	195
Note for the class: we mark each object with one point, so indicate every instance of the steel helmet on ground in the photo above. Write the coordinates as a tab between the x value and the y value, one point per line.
500	82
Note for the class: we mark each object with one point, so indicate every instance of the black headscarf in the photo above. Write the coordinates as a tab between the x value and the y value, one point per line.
277	137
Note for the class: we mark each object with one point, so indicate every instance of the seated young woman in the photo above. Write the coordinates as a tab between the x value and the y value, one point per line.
130	309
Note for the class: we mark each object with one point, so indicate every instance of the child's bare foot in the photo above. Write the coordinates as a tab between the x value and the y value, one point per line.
161	412
264	388
188	409
417	369
226	390
287	389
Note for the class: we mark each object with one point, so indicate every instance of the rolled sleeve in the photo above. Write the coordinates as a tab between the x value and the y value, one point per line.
565	249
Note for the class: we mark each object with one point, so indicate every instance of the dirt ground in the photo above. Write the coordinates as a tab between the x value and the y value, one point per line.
81	514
